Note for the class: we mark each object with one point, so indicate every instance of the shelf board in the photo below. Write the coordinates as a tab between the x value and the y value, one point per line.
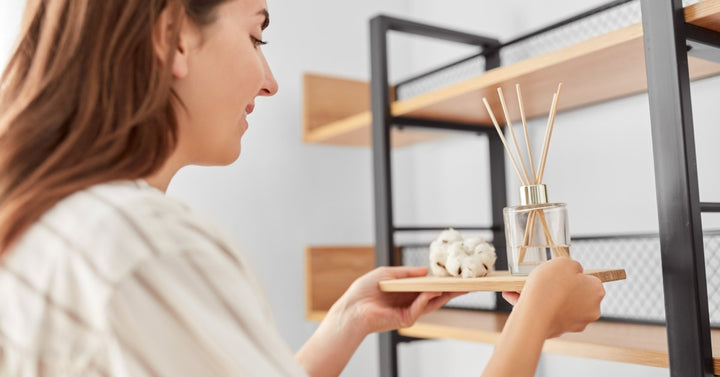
603	340
498	281
599	69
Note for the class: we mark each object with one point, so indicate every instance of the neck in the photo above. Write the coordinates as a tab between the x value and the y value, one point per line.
161	178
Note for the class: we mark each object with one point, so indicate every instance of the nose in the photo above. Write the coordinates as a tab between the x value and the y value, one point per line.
270	86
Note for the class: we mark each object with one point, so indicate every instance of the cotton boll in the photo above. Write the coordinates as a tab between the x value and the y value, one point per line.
454	265
472	242
449	236
474	266
487	259
438	270
483	248
456	253
439	251
457	249
438	258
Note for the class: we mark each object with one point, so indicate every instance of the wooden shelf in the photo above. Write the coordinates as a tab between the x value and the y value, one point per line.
498	281
329	271
604	340
599	69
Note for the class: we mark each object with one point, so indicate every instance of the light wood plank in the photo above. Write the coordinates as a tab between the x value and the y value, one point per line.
604	340
606	67
327	99
333	107
497	281
329	271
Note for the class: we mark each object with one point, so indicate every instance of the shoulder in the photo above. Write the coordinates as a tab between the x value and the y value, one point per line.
116	226
94	245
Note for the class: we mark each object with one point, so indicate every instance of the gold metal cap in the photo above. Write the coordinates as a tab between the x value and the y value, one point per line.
533	194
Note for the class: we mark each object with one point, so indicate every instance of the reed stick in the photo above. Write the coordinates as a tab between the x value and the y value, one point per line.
525	129
537	178
508	122
527	238
502	138
548	134
560	251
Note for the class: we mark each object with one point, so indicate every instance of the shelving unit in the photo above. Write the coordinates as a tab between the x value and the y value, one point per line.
651	56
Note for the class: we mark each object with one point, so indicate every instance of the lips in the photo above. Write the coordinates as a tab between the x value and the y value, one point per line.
249	109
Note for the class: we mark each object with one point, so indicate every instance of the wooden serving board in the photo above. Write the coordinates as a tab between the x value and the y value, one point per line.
498	281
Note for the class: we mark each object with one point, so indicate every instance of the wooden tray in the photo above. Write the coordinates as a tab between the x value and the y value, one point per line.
498	281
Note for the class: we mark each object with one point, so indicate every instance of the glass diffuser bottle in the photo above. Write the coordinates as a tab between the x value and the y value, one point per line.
536	230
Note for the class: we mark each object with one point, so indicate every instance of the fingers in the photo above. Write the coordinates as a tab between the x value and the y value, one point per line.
403	272
511	297
438	302
418	306
573	265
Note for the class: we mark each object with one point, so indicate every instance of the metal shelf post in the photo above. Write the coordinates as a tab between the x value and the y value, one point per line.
676	181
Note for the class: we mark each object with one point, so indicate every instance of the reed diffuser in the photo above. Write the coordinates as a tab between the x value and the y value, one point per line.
536	230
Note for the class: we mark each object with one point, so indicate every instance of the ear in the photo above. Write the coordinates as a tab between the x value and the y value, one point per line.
165	47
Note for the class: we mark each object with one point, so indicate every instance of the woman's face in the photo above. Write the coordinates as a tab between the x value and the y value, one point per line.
219	71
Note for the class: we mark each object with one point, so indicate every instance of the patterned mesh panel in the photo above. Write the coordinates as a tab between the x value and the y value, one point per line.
589	27
638	298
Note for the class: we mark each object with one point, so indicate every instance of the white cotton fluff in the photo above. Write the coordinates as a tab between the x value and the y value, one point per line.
439	251
484	248
438	258
474	266
450	255
449	236
456	253
473	242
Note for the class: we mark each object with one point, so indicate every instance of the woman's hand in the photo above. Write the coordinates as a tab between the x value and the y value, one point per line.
557	298
562	295
364	305
362	310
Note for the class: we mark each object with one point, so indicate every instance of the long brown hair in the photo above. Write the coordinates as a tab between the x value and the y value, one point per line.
84	99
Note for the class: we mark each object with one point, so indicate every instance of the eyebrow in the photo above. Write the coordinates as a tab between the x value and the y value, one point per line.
265	13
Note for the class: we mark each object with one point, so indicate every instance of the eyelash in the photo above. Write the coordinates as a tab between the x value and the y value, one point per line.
258	42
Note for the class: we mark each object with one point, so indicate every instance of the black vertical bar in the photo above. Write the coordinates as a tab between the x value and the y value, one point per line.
492	60
380	105
681	243
498	193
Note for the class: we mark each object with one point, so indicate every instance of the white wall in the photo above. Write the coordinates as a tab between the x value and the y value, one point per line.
283	195
10	15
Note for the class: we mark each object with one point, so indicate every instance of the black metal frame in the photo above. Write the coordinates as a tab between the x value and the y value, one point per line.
383	122
667	42
666	37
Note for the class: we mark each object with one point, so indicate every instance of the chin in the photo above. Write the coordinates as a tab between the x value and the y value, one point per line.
222	159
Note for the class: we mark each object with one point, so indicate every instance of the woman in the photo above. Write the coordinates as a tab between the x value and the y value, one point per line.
102	275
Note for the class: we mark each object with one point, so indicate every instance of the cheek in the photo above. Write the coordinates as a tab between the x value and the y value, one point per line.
237	81
251	71
225	80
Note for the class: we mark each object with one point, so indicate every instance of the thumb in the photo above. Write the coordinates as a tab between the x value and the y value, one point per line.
407	272
418	306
